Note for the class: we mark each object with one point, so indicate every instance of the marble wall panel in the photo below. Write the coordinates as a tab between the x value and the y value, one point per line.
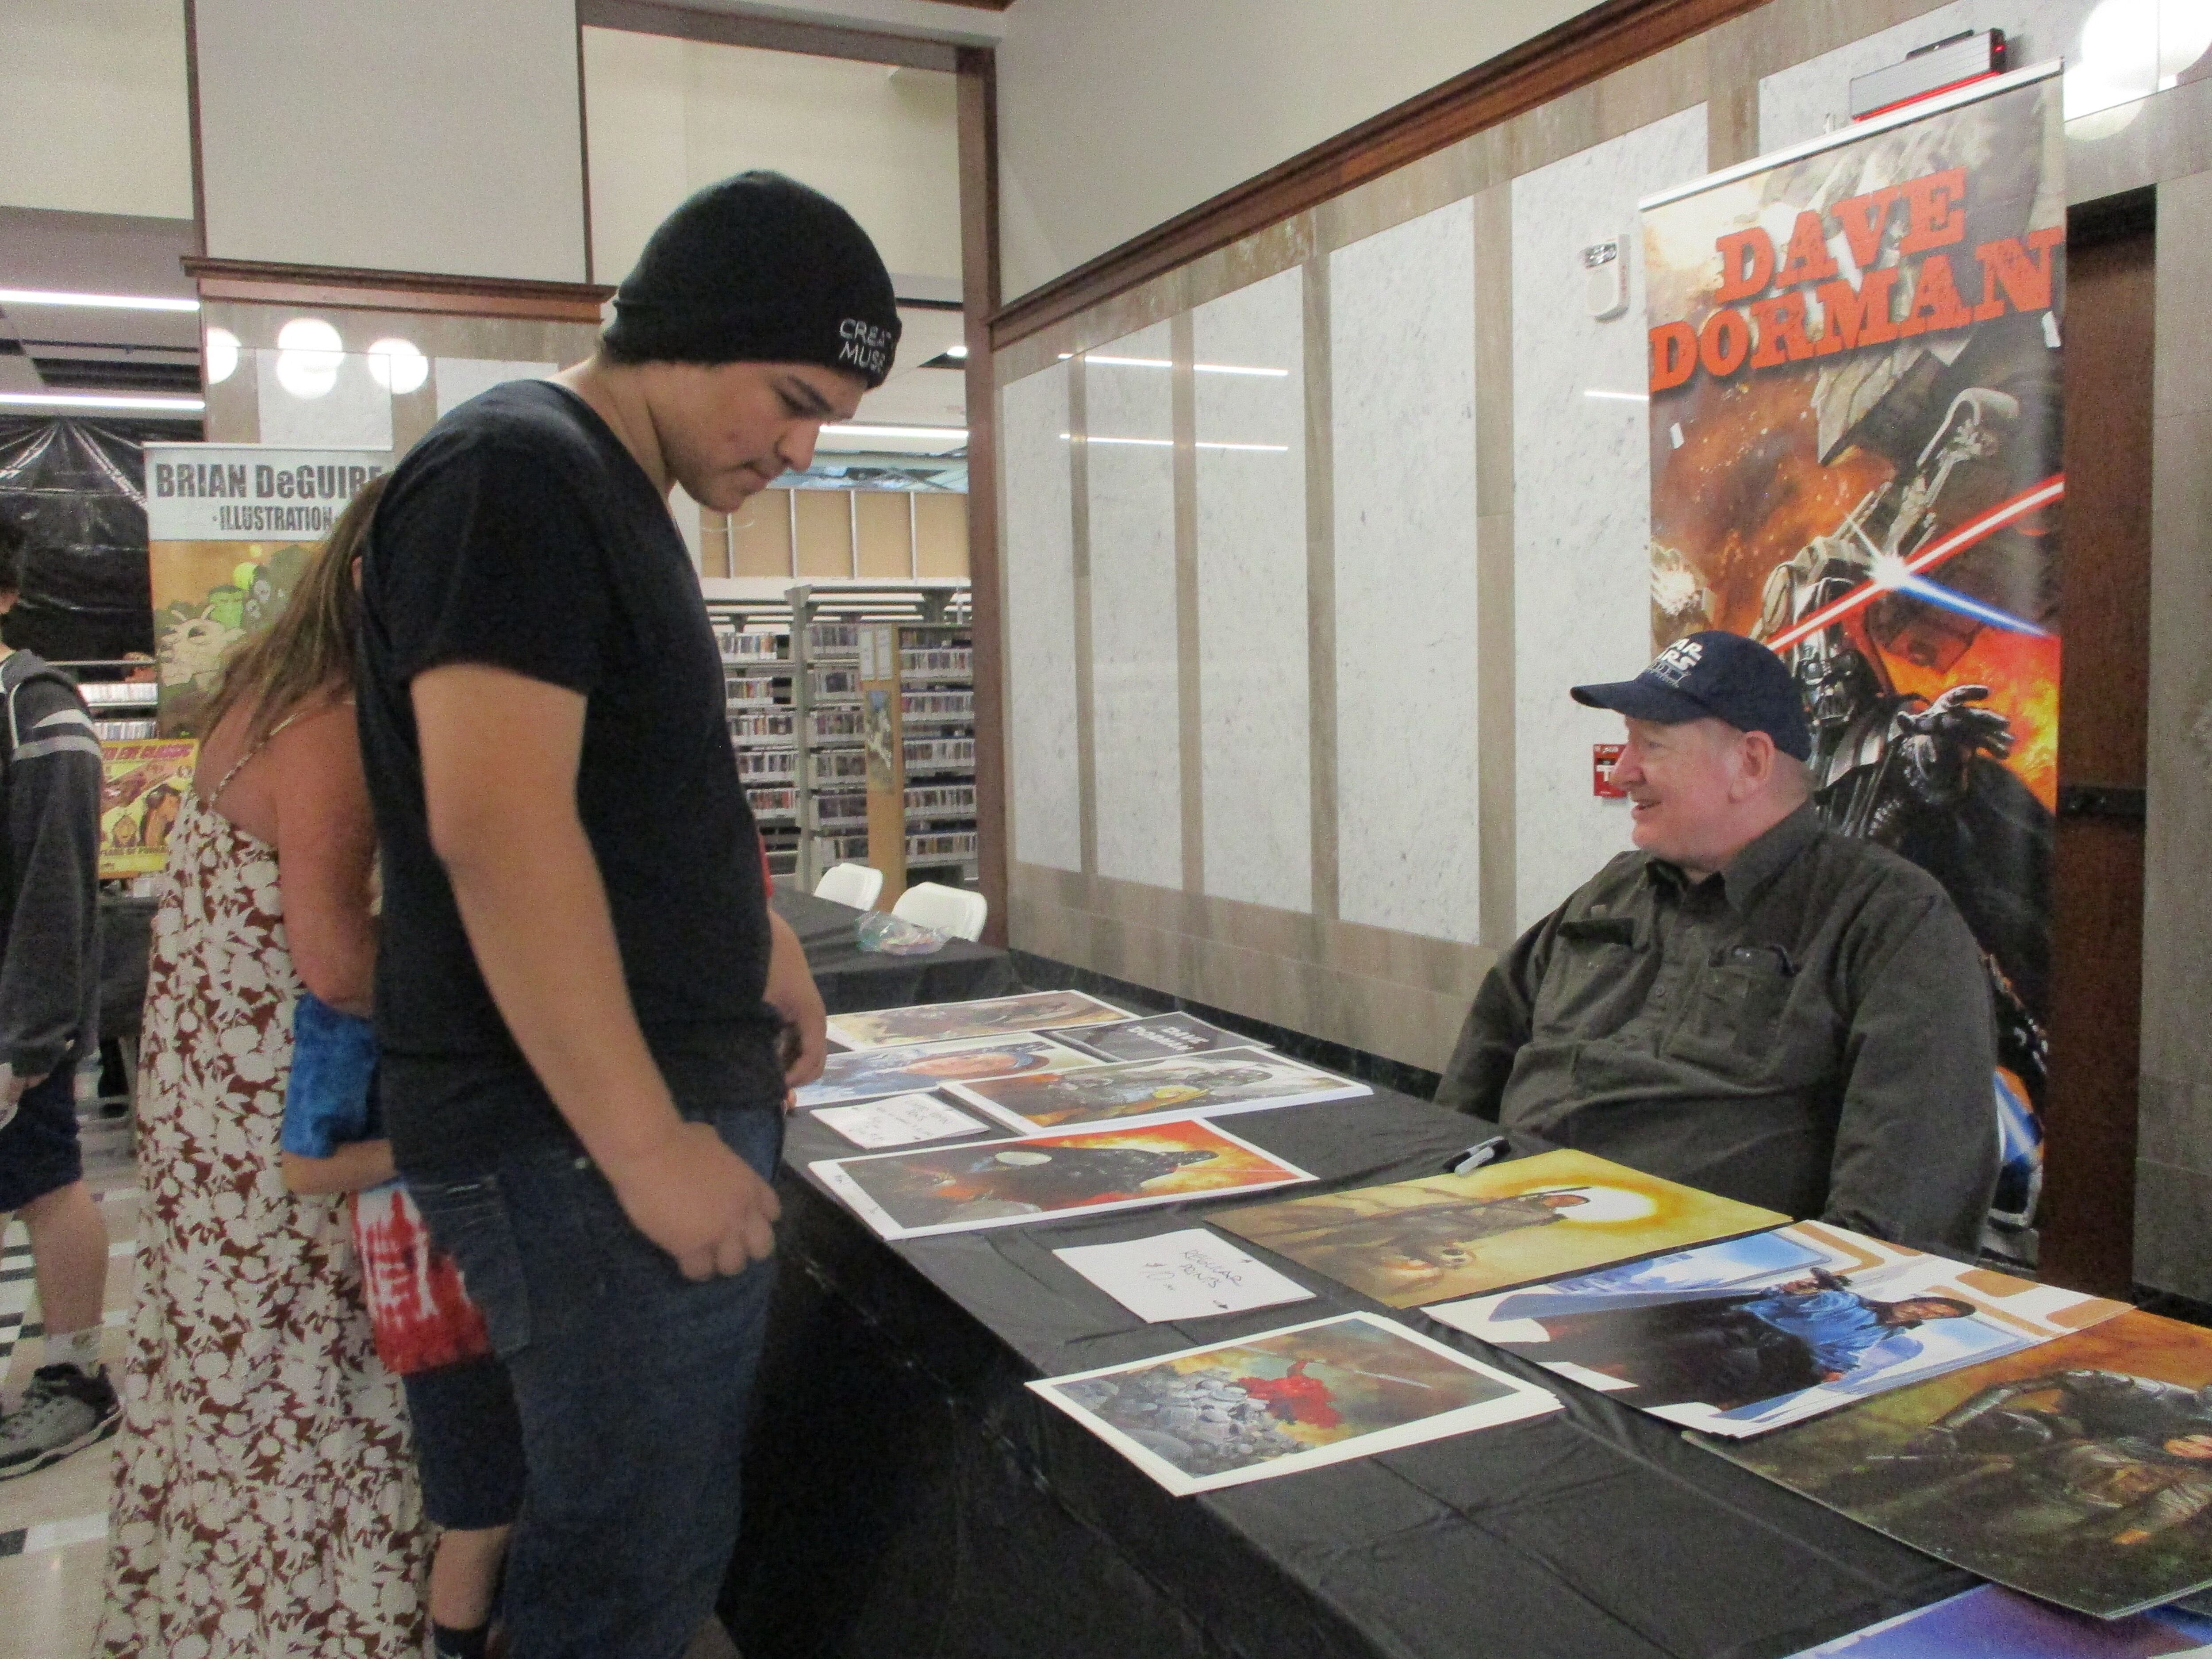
1402	372
1038	554
1135	704
1814	97
1254	696
1581	493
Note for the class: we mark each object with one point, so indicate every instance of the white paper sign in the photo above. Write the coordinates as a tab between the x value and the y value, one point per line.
1186	1275
252	492
901	1120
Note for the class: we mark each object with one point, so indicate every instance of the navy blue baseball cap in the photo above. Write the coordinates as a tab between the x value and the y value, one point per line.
1714	674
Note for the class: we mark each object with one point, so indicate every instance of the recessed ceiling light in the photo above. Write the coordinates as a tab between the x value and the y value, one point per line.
221	356
308	353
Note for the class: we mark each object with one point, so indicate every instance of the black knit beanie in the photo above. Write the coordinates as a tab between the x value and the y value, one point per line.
759	269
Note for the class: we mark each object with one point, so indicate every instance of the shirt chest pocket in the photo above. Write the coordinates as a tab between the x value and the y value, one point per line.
1734	1022
1587	989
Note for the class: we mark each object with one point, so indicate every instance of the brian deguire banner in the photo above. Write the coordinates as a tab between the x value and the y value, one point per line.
229	527
1855	352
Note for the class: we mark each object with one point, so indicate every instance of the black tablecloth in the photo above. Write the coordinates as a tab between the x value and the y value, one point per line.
908	1499
852	979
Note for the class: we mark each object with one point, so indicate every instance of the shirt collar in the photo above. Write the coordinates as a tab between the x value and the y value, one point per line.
1755	866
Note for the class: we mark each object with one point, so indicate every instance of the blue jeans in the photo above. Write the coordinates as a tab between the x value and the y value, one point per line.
632	1385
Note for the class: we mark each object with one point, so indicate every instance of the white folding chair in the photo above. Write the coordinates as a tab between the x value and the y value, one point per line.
951	910
856	884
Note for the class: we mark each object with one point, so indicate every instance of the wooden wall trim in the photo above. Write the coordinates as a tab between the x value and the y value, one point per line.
584	154
1582	49
978	124
767	33
192	119
346	287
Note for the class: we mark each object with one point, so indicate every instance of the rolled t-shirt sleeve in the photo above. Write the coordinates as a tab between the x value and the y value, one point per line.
485	558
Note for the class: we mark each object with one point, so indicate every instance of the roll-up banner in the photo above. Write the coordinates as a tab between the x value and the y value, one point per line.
229	529
1854	406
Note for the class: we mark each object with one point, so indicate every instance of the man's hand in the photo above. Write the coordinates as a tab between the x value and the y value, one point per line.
793	994
698	1200
14	1088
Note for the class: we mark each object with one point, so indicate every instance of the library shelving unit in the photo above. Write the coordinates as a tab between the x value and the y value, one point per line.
121	709
791	666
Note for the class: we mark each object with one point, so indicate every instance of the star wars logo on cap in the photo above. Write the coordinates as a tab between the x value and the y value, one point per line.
865	345
1675	663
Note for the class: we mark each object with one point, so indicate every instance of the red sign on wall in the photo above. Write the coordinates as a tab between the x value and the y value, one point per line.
1602	758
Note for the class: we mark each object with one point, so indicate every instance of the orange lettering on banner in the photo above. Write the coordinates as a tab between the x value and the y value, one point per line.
1935	303
1724	342
1862	218
2025	276
1852	317
1674	355
1807	259
1746	263
1933	218
1781	322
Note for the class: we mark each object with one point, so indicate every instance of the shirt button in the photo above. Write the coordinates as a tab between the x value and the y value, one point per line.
1659	995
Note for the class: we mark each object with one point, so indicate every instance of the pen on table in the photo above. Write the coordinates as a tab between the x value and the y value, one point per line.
1482	1153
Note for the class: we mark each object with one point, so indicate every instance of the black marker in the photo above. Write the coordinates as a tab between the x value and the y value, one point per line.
1482	1153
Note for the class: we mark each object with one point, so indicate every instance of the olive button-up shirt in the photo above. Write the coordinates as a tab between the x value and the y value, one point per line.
1810	1029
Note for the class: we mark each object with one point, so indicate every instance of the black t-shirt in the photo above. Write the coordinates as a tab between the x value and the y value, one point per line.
520	533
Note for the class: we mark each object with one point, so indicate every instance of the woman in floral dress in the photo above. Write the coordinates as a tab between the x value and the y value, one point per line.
265	1501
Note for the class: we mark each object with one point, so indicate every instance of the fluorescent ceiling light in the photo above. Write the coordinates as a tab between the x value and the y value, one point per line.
955	352
955	434
101	400
1618	397
1169	443
41	296
1165	362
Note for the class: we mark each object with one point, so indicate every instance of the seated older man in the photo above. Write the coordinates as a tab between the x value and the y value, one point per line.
1750	1003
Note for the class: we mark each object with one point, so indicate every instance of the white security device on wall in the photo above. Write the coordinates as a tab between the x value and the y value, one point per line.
1605	270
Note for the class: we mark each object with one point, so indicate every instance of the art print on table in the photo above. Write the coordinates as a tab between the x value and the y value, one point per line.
1231	1081
901	1120
2080	1471
1002	1183
1288	1400
943	1022
1992	1621
1156	1036
1747	1335
871	1073
1443	1235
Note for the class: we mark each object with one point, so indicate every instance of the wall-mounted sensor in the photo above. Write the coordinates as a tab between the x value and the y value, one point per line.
1605	271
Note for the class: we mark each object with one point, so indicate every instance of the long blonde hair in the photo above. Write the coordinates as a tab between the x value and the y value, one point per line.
309	649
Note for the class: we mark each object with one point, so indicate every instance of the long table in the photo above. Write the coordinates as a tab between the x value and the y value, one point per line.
852	979
908	1499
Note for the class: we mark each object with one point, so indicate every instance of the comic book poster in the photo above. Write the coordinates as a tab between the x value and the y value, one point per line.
143	784
1751	1333
943	1022
1158	1037
1989	1621
1442	1236
919	1067
1000	1183
2080	1471
229	529
1855	408
1289	1400
1146	1090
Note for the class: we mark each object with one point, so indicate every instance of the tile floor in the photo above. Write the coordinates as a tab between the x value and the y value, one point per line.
53	1524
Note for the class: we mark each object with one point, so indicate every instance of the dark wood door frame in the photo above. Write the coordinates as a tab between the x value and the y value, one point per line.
2097	881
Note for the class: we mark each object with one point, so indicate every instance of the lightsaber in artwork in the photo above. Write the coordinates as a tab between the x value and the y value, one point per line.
1974	529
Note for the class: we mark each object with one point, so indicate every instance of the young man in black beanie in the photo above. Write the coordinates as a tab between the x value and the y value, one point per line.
581	986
